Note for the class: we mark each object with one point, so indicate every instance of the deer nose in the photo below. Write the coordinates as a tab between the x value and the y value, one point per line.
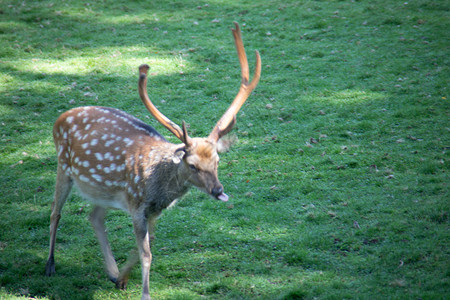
216	191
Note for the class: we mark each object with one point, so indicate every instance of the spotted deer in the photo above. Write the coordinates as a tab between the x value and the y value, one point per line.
117	161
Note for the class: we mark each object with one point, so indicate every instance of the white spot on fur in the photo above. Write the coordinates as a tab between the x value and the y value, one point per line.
99	156
128	142
85	145
61	149
97	177
85	164
87	127
84	178
109	143
78	135
69	119
94	142
82	113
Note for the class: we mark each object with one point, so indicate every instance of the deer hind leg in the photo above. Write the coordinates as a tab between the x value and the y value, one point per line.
62	189
97	219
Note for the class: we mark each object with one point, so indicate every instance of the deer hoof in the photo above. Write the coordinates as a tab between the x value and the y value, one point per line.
50	268
122	283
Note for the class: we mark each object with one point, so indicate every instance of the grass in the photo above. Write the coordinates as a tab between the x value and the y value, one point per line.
338	180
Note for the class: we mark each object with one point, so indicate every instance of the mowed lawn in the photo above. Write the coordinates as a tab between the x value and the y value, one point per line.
338	176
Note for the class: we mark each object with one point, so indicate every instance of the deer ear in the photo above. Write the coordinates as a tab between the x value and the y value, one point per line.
179	154
225	143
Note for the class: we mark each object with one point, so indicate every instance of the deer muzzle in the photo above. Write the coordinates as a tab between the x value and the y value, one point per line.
218	193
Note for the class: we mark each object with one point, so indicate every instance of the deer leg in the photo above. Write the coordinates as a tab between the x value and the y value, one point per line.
62	190
133	259
97	219
151	227
141	231
125	271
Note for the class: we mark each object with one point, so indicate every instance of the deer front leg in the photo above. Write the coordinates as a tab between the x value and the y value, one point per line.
134	257
141	231
97	219
125	271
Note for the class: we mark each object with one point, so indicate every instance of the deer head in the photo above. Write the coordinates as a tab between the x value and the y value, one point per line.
200	158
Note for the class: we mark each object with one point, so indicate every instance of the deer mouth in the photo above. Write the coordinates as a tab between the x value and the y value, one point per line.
217	192
222	197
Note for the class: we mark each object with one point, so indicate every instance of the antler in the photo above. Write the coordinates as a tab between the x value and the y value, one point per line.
181	134
228	120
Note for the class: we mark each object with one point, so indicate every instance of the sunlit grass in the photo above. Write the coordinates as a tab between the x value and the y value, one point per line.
105	64
348	97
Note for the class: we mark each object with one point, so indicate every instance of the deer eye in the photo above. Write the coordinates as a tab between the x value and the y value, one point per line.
193	168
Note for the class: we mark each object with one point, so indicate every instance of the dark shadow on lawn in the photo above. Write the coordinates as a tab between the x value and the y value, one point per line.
22	273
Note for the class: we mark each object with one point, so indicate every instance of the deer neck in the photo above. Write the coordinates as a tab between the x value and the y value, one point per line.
166	176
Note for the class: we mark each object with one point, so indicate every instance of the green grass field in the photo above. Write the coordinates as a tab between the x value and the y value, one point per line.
338	179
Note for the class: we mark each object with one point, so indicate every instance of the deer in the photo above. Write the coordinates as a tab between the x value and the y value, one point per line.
117	161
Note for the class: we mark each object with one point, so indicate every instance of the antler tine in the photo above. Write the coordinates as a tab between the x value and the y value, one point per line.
166	122
228	120
241	53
